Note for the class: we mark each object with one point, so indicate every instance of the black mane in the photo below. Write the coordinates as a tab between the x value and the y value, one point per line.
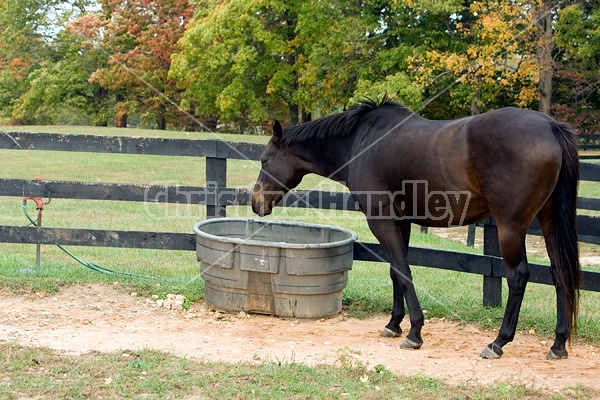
340	124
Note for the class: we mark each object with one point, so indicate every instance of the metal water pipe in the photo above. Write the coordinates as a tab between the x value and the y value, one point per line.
39	206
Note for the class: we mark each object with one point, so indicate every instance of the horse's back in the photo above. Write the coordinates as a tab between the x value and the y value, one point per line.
505	156
513	125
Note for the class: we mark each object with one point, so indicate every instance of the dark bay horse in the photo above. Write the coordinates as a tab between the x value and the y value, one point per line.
511	164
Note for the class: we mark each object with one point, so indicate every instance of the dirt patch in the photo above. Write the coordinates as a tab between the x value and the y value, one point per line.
84	318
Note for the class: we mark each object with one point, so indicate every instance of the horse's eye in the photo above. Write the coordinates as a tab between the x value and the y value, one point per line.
264	162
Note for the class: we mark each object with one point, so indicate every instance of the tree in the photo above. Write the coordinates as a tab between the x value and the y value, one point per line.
577	39
139	36
335	43
400	32
22	47
237	61
41	77
545	47
494	66
294	58
59	90
243	63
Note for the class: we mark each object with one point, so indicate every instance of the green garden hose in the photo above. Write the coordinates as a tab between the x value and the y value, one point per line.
88	264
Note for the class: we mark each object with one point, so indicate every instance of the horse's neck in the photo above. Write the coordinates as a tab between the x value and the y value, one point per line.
325	157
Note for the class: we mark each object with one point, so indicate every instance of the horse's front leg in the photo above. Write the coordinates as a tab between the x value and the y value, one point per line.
393	329
394	238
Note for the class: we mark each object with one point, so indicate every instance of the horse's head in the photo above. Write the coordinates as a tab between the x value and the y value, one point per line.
280	172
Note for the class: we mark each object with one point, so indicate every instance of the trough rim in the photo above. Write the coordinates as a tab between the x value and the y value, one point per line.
352	236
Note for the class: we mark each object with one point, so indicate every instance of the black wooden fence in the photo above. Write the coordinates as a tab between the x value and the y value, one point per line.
217	196
589	142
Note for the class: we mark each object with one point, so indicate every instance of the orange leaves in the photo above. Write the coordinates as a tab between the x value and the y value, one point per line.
87	25
496	57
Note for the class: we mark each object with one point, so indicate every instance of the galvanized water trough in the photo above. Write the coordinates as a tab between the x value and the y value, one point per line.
274	267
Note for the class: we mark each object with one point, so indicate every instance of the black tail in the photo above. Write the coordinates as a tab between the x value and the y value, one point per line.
565	217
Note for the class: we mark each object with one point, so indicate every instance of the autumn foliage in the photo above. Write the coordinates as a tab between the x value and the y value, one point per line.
239	64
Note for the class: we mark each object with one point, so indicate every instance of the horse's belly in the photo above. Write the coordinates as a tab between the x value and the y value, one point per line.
440	208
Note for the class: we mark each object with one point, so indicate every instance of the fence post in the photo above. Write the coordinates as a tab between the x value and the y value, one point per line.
471	235
216	179
492	286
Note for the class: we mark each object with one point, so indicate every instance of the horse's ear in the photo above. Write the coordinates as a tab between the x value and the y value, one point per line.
277	130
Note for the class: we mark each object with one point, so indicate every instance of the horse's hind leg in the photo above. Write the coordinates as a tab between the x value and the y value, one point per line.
512	245
558	349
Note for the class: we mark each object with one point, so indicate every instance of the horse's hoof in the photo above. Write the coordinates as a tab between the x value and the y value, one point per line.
410	345
492	352
557	354
387	332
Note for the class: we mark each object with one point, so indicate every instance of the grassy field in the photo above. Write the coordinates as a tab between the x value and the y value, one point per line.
447	294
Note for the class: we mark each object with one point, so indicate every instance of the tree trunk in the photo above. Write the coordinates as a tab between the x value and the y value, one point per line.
475	110
476	99
120	112
306	116
544	54
294	112
162	122
121	120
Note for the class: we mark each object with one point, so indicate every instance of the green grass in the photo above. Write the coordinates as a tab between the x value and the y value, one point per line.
112	131
40	373
442	293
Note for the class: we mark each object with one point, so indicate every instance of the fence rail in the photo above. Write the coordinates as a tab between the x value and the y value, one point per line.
212	148
217	196
589	142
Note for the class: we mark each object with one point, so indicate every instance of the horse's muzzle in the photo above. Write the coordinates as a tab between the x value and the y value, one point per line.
259	205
